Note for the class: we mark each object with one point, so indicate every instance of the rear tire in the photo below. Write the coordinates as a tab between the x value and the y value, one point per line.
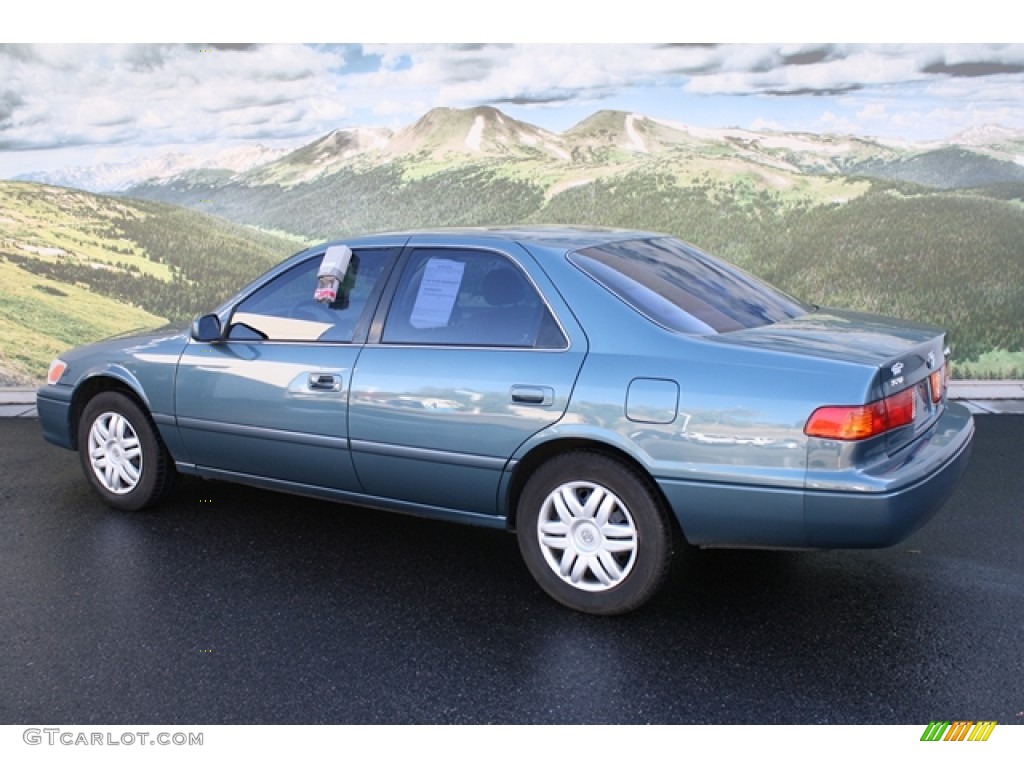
593	533
122	455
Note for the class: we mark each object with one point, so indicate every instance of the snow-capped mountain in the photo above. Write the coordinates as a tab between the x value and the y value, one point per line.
446	137
117	177
987	136
478	132
628	132
323	156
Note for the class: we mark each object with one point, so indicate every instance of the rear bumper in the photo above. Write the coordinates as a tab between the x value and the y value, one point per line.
857	509
916	488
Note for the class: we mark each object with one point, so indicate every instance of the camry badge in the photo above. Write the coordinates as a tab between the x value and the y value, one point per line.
897	369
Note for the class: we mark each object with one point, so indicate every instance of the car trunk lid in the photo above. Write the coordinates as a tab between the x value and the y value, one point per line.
908	359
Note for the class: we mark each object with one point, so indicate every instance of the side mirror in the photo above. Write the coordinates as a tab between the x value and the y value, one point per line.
207	329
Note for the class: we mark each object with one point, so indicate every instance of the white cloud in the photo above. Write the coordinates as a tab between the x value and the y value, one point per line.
873	111
763	124
161	94
829	122
157	95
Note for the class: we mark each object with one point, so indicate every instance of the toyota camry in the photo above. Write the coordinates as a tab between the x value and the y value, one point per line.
612	397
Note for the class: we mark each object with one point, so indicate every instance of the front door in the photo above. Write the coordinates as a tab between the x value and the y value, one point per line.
270	401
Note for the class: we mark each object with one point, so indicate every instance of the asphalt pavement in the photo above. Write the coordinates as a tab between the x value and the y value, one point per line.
234	605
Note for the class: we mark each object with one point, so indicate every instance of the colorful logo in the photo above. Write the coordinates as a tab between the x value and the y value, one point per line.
958	730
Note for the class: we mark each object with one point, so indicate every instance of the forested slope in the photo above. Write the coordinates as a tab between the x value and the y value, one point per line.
76	267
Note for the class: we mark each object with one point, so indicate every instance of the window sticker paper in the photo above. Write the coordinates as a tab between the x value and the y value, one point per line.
442	279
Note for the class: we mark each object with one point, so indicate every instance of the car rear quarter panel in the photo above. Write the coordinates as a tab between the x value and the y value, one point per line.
719	429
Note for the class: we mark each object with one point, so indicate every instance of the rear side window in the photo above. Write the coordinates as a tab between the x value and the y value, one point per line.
683	289
465	297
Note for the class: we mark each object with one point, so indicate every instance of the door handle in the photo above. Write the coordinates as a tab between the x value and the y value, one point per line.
325	382
531	395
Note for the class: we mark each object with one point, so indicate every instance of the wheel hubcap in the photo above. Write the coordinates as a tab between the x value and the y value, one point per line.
115	453
587	536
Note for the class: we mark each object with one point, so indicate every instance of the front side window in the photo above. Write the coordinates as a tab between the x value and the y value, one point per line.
683	289
284	308
463	297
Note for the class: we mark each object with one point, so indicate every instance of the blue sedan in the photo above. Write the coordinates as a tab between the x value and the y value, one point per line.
611	396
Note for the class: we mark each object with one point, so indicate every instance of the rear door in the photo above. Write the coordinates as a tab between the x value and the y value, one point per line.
469	361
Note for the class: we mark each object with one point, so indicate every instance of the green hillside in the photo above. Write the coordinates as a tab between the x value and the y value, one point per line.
76	267
353	202
947	168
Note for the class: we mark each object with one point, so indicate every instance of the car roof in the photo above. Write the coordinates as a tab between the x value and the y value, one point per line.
549	236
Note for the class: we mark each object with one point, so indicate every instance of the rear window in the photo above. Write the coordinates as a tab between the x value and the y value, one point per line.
683	289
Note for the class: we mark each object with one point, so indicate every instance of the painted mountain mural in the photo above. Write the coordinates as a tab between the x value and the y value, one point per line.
932	232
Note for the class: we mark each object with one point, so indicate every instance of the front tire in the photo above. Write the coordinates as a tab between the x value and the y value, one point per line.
593	533
122	455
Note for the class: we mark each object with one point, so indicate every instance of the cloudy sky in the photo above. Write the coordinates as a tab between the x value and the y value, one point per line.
82	104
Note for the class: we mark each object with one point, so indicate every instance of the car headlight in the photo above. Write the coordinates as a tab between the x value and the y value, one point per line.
57	368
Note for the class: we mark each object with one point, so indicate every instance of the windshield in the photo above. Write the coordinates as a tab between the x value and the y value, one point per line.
683	289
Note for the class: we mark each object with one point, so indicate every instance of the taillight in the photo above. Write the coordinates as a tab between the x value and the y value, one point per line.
937	382
859	422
